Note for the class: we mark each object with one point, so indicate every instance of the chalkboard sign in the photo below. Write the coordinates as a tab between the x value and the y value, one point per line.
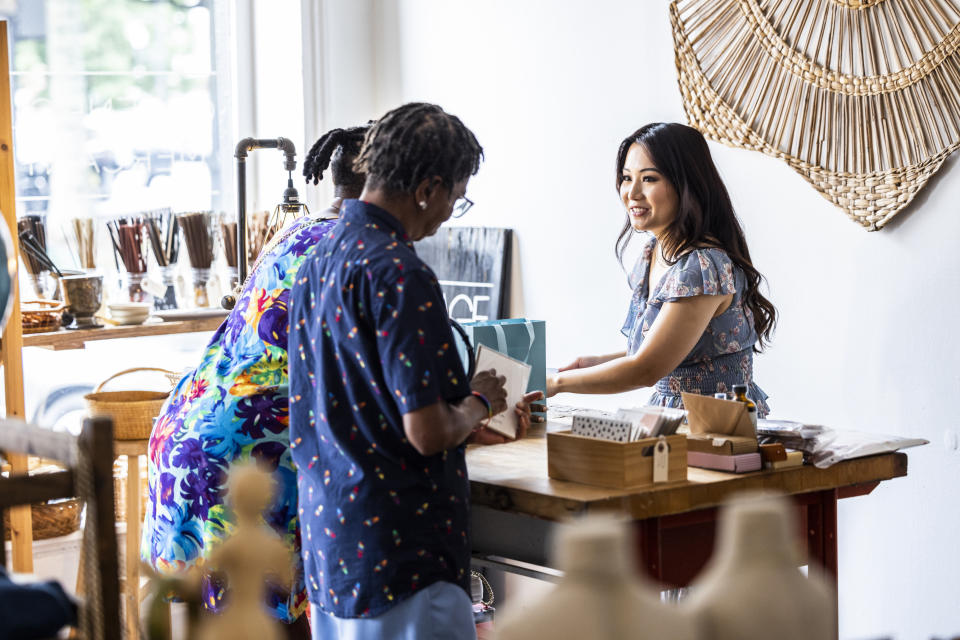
473	266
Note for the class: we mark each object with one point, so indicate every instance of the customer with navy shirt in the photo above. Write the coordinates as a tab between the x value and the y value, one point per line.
380	407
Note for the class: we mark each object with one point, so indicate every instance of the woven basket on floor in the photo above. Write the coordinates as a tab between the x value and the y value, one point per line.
50	519
132	411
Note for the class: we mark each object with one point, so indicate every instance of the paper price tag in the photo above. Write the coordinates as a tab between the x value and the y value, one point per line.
154	288
661	460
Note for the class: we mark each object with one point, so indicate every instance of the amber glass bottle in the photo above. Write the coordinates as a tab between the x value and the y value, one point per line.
740	395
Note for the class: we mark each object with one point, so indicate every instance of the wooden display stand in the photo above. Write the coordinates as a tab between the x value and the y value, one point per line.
11	350
133	449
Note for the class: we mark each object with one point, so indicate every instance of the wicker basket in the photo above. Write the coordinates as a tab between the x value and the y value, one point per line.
133	412
40	316
50	519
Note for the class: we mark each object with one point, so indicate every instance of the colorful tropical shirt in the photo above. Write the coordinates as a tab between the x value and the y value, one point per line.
723	356
232	407
370	341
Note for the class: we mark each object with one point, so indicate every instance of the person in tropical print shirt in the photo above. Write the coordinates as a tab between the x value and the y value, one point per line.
233	406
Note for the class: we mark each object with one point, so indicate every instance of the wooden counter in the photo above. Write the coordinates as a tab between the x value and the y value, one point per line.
514	477
516	508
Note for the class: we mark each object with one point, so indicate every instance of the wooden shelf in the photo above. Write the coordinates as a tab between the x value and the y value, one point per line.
66	339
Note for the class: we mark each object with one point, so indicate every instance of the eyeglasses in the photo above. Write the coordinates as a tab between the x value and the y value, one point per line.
461	206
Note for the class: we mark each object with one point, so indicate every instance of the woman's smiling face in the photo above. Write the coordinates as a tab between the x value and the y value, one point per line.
650	200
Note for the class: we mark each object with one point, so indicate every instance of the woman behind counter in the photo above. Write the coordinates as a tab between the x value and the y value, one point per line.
233	406
696	315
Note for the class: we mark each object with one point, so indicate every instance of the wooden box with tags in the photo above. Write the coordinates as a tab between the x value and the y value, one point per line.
604	463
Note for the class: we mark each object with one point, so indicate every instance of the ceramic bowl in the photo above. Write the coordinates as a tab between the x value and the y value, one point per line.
137	307
129	312
125	320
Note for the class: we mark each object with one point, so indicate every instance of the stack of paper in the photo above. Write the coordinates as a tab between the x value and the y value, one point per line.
788	429
595	425
517	374
628	425
653	421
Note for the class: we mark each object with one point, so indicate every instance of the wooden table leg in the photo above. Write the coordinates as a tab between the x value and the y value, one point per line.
822	533
822	540
132	592
648	532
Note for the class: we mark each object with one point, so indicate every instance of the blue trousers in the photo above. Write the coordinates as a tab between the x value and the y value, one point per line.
441	611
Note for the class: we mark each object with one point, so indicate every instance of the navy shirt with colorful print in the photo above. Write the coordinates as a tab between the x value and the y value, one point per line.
370	340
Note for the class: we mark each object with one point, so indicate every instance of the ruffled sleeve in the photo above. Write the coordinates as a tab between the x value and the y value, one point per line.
701	272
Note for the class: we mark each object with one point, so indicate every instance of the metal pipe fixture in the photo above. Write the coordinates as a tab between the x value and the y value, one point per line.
291	199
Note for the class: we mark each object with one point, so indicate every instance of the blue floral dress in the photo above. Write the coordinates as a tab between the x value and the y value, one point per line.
723	356
232	407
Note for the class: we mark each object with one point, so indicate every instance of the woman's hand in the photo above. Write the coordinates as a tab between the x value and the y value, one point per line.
583	362
486	436
490	385
553	385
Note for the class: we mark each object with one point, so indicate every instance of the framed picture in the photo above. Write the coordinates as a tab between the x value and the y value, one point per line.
473	266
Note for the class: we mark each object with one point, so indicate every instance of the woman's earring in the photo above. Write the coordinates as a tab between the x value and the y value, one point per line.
423	204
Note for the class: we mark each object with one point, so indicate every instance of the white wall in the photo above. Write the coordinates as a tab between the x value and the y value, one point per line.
866	338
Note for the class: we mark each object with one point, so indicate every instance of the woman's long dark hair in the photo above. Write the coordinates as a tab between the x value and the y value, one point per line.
705	215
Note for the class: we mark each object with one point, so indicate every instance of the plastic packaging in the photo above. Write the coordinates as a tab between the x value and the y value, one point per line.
825	447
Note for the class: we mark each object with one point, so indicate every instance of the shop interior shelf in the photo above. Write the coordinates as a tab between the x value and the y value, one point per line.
77	339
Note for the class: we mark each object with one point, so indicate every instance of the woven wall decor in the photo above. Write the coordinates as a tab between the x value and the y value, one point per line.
861	97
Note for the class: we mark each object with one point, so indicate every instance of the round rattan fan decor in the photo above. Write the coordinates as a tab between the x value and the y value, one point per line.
861	97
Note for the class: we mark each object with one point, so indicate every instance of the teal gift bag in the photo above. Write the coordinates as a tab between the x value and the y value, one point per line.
519	338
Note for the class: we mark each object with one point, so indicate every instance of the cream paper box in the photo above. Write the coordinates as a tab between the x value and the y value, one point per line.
723	423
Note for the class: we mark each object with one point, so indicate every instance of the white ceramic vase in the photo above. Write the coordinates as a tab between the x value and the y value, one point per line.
752	587
600	596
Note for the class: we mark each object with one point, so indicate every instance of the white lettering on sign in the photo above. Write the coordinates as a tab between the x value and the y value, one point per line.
466	306
462	302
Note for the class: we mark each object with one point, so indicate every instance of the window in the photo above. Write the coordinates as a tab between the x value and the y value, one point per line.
119	106
116	106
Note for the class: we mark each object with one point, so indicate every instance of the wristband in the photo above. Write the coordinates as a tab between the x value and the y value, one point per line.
482	398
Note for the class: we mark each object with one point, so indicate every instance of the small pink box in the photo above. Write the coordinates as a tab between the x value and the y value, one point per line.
741	463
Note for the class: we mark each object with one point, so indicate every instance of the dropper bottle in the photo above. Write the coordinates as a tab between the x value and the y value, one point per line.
740	395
